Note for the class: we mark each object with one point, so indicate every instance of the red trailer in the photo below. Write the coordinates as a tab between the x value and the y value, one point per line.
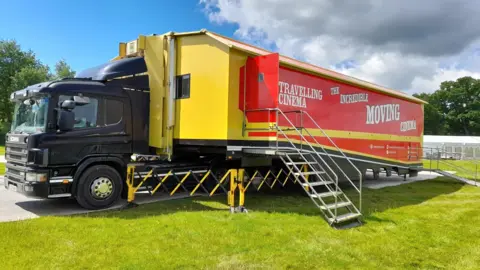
376	128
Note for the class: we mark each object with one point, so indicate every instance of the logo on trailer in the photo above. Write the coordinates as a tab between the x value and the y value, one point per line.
335	90
382	113
296	95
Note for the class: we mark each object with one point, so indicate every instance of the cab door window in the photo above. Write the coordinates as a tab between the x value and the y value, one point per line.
86	115
110	111
99	112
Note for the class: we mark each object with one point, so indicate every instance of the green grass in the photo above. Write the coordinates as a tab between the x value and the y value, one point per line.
428	224
463	168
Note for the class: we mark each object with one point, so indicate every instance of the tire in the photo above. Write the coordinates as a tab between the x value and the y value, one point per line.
99	187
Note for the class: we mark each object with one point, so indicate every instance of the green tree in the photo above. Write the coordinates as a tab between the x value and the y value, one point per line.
29	76
63	70
19	69
12	60
459	104
434	121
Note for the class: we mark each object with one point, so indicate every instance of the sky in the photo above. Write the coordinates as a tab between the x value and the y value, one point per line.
407	45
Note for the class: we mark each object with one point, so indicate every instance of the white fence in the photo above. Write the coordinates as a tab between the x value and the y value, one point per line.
451	147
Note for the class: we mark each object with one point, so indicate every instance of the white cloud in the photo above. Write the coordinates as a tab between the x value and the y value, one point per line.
430	84
407	45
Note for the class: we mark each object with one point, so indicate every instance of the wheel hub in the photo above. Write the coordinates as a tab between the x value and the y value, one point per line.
101	188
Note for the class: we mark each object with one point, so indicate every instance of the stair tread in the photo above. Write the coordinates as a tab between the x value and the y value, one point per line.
326	194
310	173
294	153
333	205
320	183
300	163
344	217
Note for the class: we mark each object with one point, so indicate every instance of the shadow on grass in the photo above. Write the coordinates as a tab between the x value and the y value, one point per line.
295	201
289	201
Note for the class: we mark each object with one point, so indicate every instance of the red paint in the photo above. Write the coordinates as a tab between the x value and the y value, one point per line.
262	134
331	114
261	87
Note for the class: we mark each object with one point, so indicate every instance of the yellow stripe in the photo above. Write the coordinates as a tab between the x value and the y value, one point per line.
343	134
259	138
356	135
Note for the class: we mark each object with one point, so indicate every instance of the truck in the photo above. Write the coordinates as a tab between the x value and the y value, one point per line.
203	99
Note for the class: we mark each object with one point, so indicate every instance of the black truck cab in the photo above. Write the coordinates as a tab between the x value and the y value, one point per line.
74	137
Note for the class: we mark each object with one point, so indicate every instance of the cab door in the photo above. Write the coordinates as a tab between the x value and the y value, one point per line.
99	130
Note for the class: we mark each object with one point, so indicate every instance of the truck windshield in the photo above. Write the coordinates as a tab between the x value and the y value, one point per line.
30	115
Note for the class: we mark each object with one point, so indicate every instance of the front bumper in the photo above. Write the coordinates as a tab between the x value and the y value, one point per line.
48	187
37	190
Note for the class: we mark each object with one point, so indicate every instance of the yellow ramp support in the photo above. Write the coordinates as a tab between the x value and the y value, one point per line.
280	177
237	179
136	179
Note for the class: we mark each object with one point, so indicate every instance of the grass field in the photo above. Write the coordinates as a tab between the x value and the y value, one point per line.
429	224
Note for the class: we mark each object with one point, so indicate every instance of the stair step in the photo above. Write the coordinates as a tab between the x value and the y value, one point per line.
292	129
300	163
309	173
326	194
344	217
294	153
314	184
333	205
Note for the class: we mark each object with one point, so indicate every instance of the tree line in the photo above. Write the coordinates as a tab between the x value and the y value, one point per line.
453	109
20	68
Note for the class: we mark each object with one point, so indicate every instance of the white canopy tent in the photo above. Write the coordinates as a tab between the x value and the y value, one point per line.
455	147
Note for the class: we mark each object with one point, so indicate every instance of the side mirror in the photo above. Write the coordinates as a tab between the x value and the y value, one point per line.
29	102
68	105
66	120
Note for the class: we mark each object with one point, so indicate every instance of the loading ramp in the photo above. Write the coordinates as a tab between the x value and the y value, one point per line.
456	177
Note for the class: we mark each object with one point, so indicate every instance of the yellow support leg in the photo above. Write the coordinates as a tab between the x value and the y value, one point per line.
305	169
231	192
131	188
241	189
236	181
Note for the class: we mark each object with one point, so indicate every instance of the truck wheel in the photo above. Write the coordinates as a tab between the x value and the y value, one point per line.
99	187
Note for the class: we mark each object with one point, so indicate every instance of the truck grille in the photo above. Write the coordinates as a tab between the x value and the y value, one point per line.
16	154
15	172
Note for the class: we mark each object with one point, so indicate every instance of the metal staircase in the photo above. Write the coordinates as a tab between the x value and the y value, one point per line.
309	166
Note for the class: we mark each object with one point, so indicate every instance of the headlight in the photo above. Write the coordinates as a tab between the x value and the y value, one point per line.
36	177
